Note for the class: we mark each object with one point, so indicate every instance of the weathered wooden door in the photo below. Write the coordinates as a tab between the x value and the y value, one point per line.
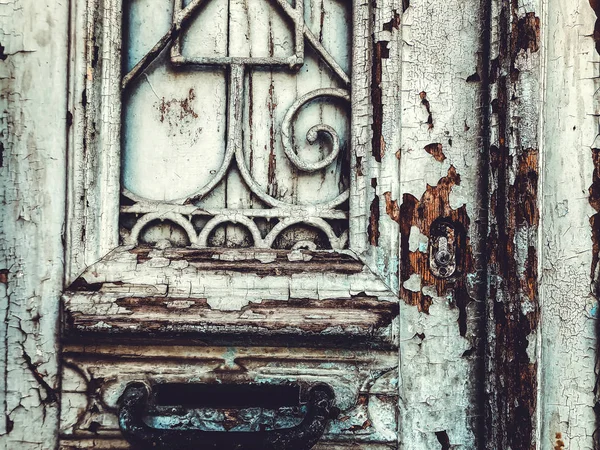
290	224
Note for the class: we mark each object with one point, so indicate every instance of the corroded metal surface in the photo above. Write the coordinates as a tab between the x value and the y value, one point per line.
133	404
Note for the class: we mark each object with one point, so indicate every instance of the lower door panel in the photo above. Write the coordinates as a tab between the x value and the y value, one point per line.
364	382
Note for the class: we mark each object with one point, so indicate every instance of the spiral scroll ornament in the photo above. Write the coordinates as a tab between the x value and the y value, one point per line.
313	133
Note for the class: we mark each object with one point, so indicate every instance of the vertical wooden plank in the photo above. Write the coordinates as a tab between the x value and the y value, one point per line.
571	237
33	86
363	229
80	27
377	172
95	137
441	130
513	309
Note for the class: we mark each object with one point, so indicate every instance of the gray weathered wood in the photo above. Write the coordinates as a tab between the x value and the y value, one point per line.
33	125
569	276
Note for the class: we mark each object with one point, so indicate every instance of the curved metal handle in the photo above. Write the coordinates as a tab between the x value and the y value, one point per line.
133	404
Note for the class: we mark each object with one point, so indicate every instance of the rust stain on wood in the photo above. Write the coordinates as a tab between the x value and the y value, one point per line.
516	306
560	444
174	111
391	207
374	216
524	37
4	276
526	33
394	23
525	188
436	150
373	228
433	206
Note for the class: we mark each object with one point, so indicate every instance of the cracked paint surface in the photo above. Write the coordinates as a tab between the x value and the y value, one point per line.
426	73
32	198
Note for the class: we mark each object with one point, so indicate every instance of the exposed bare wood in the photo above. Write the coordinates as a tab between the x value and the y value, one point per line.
222	280
513	311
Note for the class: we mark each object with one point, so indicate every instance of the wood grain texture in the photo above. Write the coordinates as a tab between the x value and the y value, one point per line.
203	293
94	137
513	311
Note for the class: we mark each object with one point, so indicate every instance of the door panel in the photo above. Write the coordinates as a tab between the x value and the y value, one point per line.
243	177
449	302
441	166
364	382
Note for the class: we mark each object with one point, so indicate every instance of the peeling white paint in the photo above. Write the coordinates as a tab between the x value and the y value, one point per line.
433	48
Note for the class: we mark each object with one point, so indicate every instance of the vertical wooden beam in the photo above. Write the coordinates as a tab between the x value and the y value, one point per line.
440	156
95	134
569	271
513	308
33	121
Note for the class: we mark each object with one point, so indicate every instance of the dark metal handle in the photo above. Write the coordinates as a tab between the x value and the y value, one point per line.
134	403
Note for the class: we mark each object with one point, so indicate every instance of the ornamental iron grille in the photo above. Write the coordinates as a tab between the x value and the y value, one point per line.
220	144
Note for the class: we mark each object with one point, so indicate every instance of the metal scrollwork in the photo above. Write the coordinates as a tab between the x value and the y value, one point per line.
312	135
319	214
